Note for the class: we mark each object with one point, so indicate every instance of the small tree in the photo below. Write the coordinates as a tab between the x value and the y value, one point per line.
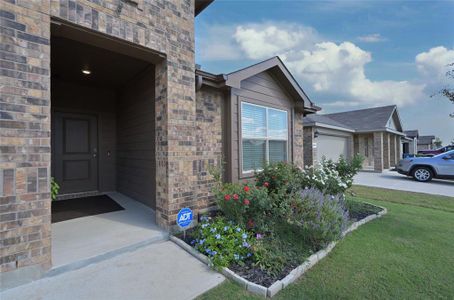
438	143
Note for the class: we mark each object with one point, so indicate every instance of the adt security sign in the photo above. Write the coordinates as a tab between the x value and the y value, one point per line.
184	218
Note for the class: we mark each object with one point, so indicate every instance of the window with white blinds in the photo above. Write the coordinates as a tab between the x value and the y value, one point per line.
264	133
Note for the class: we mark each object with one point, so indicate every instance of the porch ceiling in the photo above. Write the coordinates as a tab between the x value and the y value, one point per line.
108	69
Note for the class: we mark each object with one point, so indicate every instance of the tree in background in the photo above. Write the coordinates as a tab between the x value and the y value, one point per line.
448	91
437	142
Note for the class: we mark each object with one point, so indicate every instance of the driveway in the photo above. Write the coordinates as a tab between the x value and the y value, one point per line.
393	180
158	271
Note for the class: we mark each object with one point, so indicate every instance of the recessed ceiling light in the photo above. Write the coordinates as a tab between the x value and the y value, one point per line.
86	71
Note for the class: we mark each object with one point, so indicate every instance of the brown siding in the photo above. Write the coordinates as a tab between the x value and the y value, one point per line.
136	140
262	89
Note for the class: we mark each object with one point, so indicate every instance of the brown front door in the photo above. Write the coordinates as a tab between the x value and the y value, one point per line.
75	147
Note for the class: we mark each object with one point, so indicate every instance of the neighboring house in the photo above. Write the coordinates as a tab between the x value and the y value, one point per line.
128	112
426	142
410	143
374	133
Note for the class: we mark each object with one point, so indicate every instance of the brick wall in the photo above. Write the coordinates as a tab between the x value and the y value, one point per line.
309	154
164	26
392	150
298	141
386	150
209	142
25	236
378	151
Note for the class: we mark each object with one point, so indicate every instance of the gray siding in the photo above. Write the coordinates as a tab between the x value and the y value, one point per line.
136	140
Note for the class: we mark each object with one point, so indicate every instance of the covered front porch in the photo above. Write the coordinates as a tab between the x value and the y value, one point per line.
103	149
381	150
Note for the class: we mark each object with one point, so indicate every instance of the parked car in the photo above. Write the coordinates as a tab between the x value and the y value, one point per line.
425	168
432	152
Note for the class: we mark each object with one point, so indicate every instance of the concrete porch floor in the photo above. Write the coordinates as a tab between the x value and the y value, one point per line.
79	242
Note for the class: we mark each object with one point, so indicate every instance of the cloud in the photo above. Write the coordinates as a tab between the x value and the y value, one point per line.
339	69
260	41
371	38
332	68
433	63
217	43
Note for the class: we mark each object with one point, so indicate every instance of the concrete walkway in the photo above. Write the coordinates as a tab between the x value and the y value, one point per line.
393	180
158	271
78	241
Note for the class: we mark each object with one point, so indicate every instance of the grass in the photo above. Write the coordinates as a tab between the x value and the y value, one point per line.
406	254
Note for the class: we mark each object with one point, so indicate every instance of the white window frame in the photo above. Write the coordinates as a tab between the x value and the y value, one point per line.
266	138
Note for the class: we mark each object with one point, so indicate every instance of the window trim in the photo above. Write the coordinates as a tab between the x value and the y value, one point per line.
266	138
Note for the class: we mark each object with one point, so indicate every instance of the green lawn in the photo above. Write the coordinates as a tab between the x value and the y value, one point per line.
406	254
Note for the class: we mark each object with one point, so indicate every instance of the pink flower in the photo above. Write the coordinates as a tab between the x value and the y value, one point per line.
227	197
266	184
235	197
246	188
246	202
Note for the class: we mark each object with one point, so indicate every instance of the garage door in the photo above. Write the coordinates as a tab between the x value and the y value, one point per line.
331	147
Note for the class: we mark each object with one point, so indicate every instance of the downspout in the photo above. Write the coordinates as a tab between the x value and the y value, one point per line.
198	82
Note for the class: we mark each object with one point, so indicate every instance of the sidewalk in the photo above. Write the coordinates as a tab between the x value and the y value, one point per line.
158	271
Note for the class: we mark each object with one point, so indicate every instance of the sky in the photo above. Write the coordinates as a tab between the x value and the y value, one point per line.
346	55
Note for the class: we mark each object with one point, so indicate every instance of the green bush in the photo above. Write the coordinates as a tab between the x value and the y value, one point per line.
282	180
244	204
322	217
222	241
347	170
279	177
54	188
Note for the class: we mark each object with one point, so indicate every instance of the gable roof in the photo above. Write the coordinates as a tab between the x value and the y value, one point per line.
425	139
369	119
323	120
412	133
273	65
361	120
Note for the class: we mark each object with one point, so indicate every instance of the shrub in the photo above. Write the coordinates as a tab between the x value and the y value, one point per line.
54	188
325	178
244	204
222	241
347	170
332	177
279	177
282	181
322	217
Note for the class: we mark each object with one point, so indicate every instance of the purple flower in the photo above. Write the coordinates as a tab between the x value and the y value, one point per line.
259	236
246	245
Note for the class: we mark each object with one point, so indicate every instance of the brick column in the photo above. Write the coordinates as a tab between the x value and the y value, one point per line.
392	148
310	153
298	141
356	145
398	149
25	141
378	151
386	150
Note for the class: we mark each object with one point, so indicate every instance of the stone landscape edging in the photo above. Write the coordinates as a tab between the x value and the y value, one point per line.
293	275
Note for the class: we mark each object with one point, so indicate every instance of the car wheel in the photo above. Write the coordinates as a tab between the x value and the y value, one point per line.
422	174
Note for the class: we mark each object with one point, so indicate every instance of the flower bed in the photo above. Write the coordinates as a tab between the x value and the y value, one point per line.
269	286
267	233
